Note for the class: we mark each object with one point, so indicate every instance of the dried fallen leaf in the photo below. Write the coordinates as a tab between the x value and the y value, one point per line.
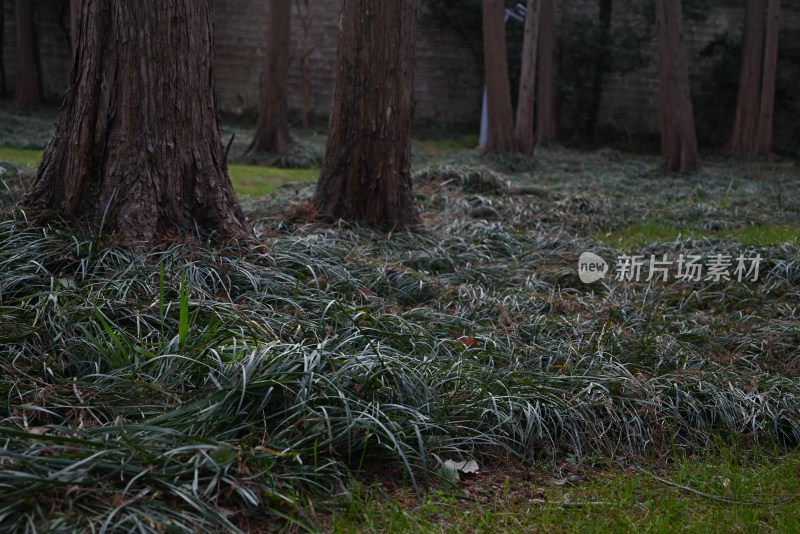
468	341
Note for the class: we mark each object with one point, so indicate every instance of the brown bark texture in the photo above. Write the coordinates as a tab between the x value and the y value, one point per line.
523	128
500	128
137	150
2	47
598	80
272	131
546	107
366	175
28	90
306	16
678	137
767	107
745	122
74	16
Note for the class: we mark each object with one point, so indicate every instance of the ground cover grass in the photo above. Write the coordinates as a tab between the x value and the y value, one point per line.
290	385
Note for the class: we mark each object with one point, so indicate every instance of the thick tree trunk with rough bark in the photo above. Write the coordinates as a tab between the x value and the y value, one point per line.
745	123
366	176
500	128
74	16
546	108
600	69
767	108
2	47
678	137
137	149
28	91
523	128
272	132
306	16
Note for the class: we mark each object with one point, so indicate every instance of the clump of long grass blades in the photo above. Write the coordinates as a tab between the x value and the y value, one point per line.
472	179
189	388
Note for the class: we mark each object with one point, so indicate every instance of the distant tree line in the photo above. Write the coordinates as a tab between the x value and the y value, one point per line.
589	49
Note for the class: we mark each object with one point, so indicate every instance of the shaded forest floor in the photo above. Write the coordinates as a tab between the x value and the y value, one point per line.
323	379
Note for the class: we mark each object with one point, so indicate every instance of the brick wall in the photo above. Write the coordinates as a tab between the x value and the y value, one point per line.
447	82
240	46
447	78
448	85
630	102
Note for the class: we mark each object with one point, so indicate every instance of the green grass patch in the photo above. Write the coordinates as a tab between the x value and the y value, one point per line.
437	147
764	235
252	181
714	494
21	156
248	180
642	233
457	143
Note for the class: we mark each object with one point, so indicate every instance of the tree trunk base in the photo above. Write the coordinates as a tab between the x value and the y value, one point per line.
137	150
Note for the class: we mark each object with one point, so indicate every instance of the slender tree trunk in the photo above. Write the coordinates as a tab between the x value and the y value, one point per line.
306	16
272	132
74	15
500	131
137	149
2	49
523	128
678	137
28	91
766	113
366	175
600	68
745	123
546	107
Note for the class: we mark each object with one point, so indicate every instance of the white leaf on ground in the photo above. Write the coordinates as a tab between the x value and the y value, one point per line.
467	467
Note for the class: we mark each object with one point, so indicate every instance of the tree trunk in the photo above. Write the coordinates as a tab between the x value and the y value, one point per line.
767	108
546	108
523	128
28	91
500	128
137	149
306	16
74	16
2	49
745	123
678	137
272	132
366	175
600	67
